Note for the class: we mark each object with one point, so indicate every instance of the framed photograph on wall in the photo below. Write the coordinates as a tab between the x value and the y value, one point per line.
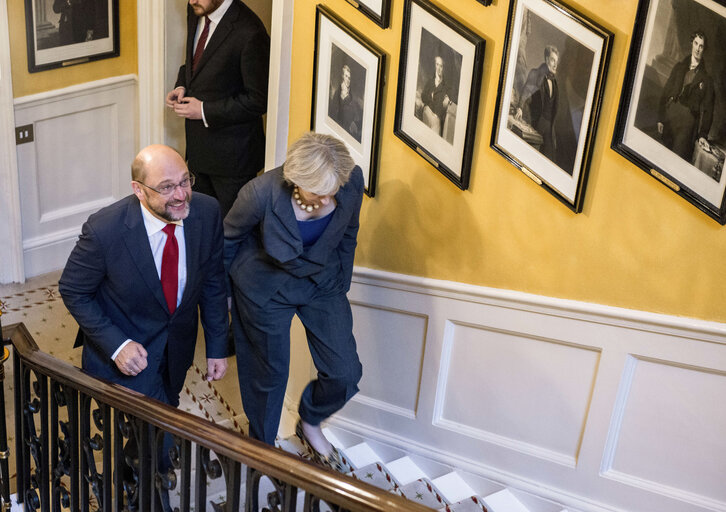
672	117
439	81
348	77
66	32
550	89
377	10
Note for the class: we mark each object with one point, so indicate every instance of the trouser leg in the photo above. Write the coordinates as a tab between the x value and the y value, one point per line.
262	344
224	188
328	323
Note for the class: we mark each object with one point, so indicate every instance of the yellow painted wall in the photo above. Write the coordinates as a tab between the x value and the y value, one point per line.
636	244
25	83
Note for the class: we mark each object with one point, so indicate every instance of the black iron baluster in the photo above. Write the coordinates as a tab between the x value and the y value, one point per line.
163	481
32	406
206	468
145	483
104	424
20	454
60	450
283	498
119	462
91	445
42	381
85	432
4	453
252	490
233	478
181	459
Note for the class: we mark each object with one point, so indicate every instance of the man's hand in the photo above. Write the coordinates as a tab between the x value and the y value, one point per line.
189	108
132	359
659	126
216	368
175	96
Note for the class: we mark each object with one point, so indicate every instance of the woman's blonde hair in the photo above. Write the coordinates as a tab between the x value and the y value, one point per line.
318	163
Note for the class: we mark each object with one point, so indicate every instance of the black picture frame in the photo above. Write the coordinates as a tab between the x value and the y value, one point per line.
62	33
545	122
377	10
432	39
345	60
671	120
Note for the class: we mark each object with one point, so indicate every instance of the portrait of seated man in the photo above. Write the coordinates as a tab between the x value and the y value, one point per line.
538	101
437	86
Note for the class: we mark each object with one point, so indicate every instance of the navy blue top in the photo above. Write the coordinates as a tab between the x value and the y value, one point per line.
310	230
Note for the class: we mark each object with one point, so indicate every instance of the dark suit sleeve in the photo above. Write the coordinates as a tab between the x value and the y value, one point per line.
83	274
250	103
213	299
181	77
243	217
347	245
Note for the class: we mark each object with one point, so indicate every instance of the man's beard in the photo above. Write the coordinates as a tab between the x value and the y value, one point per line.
170	216
212	8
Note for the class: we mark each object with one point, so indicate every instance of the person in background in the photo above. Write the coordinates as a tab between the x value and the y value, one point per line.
142	273
685	110
221	92
290	240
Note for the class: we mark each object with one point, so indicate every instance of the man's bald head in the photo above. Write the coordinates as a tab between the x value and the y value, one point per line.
153	157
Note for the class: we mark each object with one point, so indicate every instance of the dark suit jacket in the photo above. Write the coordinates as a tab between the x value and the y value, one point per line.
697	96
231	80
263	248
111	287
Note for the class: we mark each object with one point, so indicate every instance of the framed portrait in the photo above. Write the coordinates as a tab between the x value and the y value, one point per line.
439	81
550	89
348	78
377	10
66	32
672	116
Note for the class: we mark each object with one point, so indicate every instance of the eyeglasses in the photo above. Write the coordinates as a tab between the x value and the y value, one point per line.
168	190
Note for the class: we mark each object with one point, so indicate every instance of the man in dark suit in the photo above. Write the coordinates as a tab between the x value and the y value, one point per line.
539	99
685	110
134	331
221	91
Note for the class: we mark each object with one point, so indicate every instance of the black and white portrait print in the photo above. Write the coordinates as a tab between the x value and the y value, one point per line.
437	85
347	82
549	90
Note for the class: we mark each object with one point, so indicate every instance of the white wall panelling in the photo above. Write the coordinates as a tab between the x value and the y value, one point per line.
596	407
79	161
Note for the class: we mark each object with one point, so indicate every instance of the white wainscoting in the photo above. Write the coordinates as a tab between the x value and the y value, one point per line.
79	161
596	407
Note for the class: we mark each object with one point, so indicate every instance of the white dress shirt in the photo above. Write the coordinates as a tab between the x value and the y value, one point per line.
157	240
214	19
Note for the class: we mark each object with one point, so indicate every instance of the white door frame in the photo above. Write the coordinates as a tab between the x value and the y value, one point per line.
152	63
11	236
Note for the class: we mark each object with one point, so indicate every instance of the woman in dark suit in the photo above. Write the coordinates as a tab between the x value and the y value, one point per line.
290	240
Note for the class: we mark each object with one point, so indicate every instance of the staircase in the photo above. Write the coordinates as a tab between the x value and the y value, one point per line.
425	481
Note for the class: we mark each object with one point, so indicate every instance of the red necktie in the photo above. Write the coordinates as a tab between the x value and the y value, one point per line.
200	44
170	267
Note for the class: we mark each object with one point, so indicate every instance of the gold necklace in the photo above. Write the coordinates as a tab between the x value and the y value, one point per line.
307	207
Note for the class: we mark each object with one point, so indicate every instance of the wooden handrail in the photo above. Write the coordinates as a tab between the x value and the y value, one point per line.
350	493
